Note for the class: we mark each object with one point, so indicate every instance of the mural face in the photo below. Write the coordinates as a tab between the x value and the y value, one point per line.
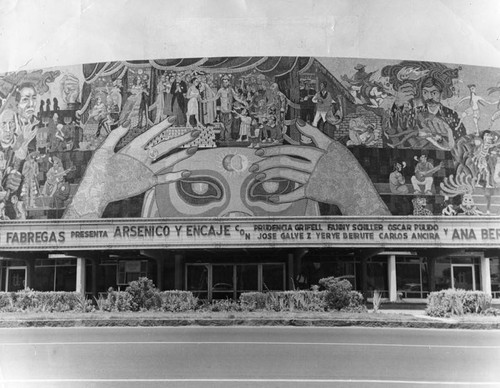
254	136
222	184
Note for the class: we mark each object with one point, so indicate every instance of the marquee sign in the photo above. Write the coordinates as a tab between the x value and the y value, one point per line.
389	232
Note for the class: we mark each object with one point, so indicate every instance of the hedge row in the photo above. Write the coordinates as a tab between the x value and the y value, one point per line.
38	301
169	301
142	295
284	301
449	302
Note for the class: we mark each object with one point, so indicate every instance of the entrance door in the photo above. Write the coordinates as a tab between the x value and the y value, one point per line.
463	276
16	279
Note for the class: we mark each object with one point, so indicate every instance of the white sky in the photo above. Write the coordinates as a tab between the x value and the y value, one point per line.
45	33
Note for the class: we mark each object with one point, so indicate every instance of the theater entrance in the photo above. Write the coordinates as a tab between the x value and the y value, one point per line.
16	279
463	276
228	280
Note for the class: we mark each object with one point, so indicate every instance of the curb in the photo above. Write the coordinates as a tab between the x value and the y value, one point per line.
448	324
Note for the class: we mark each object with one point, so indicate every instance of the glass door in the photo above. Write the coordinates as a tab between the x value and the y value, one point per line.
463	276
16	279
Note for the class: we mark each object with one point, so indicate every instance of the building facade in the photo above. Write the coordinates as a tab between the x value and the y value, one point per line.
228	175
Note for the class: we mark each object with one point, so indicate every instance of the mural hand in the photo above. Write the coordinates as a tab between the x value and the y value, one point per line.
328	173
13	181
21	147
405	93
113	176
440	132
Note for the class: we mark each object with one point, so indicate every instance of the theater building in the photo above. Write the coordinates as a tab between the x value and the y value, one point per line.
234	174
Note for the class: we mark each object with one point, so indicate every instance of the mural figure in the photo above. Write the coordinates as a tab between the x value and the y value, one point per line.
418	119
477	157
255	134
419	207
178	91
245	124
324	102
70	87
277	103
30	172
225	95
462	185
3	216
19	208
18	129
208	106
193	95
133	109
424	171
306	103
361	133
26	123
159	105
482	155
397	180
474	103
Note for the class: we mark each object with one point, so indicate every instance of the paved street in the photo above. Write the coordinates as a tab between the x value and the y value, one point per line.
247	357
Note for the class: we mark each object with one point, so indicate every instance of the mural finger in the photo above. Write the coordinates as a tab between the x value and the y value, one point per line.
442	128
293	196
167	146
313	154
172	177
319	138
282	161
115	136
173	159
435	127
286	173
154	131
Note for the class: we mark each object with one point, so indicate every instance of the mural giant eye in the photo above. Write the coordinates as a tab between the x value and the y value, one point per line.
261	191
200	190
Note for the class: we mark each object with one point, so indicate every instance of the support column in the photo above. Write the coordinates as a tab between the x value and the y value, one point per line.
485	275
291	275
393	290
431	273
80	275
178	272
95	269
30	273
364	276
160	269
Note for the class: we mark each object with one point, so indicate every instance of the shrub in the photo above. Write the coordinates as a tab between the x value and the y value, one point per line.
6	302
491	312
178	301
251	301
115	301
376	300
227	305
339	294
145	296
300	300
40	301
356	303
457	302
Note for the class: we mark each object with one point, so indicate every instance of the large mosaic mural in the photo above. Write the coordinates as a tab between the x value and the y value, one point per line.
250	136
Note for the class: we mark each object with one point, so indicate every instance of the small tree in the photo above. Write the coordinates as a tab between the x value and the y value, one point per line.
145	296
338	293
